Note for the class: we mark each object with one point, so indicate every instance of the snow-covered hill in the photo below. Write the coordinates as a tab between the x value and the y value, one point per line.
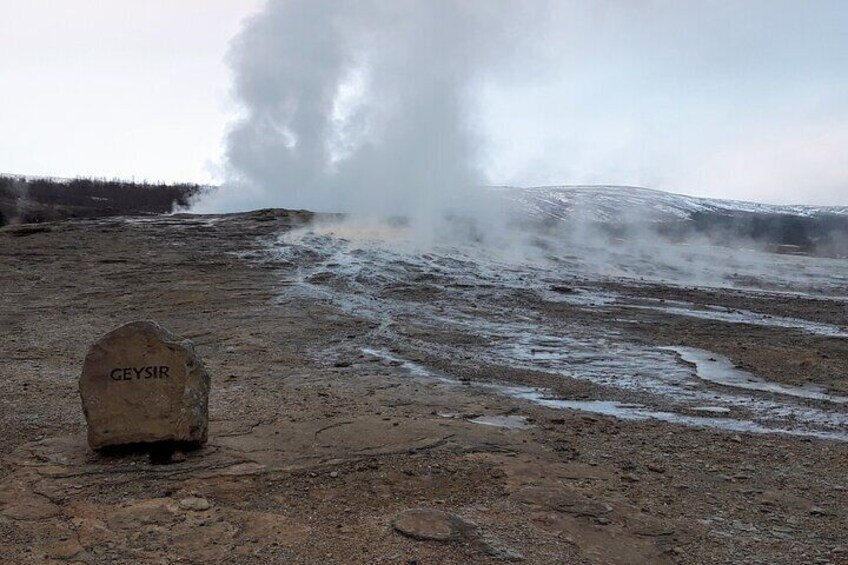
626	204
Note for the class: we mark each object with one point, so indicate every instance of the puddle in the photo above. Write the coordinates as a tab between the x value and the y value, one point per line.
508	422
412	368
620	410
720	370
638	412
711	409
720	314
579	297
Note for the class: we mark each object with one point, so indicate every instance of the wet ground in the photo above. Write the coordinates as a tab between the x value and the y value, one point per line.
598	405
549	318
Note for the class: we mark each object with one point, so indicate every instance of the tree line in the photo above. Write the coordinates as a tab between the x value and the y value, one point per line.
24	199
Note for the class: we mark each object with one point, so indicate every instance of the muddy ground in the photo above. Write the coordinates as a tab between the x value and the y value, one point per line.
328	420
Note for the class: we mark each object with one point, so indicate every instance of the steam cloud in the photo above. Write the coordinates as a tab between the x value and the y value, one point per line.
362	107
407	107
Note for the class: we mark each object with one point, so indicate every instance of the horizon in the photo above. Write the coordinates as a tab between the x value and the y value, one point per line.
541	186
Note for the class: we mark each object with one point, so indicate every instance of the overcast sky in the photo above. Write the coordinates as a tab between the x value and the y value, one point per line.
115	87
742	99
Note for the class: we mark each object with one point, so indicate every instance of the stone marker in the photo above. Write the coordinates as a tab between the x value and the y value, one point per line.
142	384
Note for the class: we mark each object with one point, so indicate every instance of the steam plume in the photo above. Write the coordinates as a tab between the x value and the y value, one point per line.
361	106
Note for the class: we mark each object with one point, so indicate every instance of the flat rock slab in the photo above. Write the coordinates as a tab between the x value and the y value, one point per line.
141	384
563	499
428	524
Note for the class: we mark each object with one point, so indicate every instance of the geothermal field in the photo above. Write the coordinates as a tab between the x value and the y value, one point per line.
565	396
424	282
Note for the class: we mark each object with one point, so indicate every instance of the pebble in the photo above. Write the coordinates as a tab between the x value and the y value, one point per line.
196	503
501	553
743	527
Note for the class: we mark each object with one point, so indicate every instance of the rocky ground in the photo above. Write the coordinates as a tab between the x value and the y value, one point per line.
347	431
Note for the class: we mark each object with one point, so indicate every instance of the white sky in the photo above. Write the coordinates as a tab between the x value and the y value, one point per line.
744	99
115	87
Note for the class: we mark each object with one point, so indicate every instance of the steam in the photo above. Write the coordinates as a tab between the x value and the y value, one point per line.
408	108
362	107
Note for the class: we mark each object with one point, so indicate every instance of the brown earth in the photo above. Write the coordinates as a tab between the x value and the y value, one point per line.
312	458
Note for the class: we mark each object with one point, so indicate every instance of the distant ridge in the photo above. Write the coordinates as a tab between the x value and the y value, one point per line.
627	211
613	204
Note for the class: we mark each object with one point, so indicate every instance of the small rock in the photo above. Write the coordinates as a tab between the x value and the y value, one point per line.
178	457
818	511
656	468
737	438
334	474
195	503
743	526
562	289
496	550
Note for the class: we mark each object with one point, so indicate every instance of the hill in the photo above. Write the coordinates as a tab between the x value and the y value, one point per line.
625	211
